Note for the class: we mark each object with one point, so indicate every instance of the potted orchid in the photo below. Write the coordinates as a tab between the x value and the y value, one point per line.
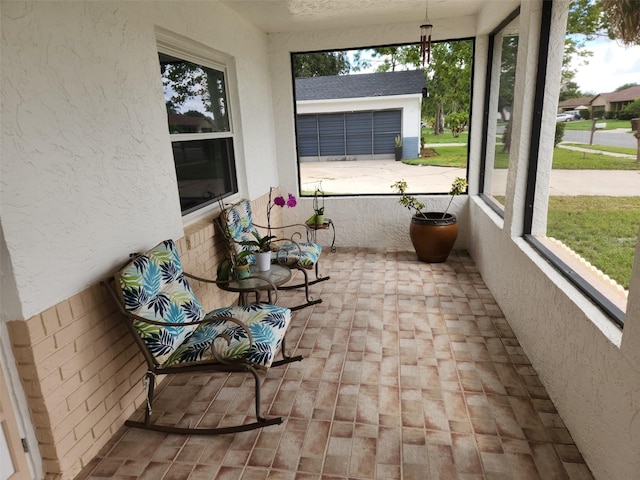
261	246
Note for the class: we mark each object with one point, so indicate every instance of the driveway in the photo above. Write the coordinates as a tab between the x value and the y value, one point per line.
376	177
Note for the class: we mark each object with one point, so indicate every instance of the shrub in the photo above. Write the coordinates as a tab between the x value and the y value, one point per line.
457	123
560	126
630	111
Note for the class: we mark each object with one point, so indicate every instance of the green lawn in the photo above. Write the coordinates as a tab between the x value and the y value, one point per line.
563	159
603	230
446	137
604	148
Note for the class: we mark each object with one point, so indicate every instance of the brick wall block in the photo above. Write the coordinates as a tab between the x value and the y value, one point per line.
72	330
77	306
43	349
48	385
61	356
50	321
102	389
64	312
86	424
53	394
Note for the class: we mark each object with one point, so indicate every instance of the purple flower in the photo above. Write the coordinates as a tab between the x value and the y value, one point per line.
291	201
279	201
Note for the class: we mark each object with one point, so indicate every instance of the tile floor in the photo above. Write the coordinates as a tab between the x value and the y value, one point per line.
410	372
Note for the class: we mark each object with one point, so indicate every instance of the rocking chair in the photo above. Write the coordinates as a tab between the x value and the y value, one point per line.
236	223
177	336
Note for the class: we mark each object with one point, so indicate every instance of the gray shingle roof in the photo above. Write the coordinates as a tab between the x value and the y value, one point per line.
361	85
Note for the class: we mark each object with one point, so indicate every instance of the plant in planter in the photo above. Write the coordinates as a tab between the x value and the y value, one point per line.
433	234
318	208
398	148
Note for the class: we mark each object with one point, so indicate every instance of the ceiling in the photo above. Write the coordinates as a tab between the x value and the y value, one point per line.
277	16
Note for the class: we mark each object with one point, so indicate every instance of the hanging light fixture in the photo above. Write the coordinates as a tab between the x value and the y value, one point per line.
425	37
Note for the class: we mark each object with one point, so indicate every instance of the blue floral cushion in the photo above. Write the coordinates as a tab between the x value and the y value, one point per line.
267	324
306	255
153	286
240	228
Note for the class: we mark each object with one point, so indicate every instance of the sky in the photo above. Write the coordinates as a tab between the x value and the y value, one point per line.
610	67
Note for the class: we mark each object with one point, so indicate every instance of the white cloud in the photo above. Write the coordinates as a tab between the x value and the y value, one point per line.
610	67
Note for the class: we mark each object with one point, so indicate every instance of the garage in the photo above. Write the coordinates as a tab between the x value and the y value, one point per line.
349	135
358	117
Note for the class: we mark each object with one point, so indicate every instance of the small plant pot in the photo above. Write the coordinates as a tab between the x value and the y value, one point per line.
319	220
433	237
242	271
263	261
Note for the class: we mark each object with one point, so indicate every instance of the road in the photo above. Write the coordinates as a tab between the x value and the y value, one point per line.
612	138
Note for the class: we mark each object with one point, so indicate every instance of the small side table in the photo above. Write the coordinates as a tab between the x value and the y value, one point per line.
278	274
312	232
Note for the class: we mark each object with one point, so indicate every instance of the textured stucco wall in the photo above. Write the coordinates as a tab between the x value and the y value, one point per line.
590	368
87	170
575	349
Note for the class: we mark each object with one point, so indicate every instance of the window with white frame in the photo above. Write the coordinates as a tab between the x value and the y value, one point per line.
199	122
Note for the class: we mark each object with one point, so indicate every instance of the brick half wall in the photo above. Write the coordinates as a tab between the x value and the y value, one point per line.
81	370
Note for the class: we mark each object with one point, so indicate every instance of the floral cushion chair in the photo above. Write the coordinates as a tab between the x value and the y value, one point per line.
176	335
237	224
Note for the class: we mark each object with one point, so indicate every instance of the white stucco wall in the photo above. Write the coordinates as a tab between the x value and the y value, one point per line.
590	368
87	166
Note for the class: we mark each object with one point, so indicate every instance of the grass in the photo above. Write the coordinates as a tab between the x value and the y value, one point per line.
586	124
604	148
602	230
563	159
446	137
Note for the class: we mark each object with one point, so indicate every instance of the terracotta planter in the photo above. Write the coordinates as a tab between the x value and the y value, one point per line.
433	237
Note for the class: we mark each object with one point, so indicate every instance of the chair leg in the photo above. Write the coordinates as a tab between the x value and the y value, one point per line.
148	425
286	358
309	301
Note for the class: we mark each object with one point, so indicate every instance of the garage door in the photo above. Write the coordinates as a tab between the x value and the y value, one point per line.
348	136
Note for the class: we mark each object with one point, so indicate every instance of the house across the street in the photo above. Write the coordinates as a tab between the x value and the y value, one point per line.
357	117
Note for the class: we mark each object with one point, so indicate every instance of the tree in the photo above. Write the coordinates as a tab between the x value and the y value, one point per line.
401	58
625	86
622	19
320	64
448	81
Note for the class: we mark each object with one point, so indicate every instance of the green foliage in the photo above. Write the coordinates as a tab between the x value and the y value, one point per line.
448	78
603	230
625	86
407	201
630	111
560	126
401	58
457	122
262	244
320	64
398	141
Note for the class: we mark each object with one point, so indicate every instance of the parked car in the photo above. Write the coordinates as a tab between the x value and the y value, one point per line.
574	113
563	117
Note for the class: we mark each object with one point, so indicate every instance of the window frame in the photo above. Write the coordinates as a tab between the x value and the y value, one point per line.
597	297
185	49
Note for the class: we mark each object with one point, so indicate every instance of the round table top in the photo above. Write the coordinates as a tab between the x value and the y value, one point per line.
278	274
